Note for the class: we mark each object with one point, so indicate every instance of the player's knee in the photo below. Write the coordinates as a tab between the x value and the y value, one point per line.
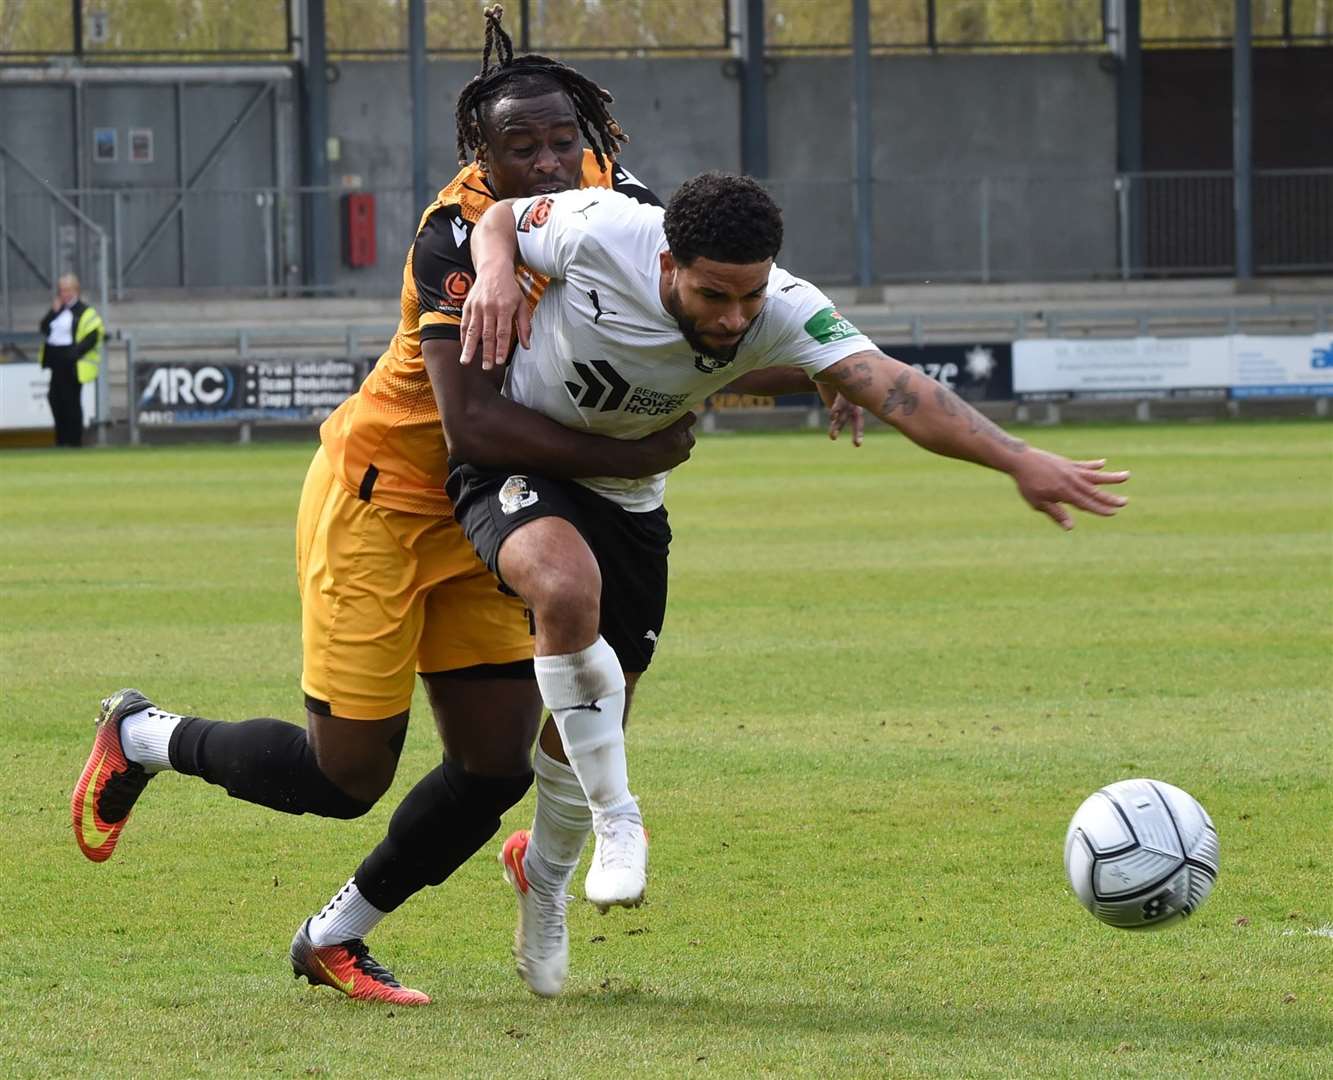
487	796
568	594
361	783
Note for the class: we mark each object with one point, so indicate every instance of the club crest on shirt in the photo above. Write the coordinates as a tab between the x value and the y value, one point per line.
456	287
536	215
515	495
710	365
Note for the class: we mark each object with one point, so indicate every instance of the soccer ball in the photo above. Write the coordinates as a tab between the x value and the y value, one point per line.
1141	854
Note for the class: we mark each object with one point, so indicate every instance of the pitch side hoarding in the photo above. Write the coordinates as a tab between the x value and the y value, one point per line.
252	390
1237	365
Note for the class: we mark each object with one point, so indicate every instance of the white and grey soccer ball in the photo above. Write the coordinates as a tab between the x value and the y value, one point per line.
1141	854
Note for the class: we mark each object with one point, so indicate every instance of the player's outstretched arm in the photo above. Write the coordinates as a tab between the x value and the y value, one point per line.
789	379
933	417
486	429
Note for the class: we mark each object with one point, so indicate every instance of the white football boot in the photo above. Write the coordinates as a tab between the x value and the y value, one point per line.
541	939
618	876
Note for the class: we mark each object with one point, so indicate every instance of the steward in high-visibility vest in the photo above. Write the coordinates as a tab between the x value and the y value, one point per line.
72	333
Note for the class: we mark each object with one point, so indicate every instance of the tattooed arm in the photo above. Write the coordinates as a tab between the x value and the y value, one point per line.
935	418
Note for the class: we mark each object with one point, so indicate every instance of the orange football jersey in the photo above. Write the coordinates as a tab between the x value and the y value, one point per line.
386	442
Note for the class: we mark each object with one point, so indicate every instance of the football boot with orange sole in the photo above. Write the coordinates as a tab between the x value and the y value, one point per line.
110	784
349	967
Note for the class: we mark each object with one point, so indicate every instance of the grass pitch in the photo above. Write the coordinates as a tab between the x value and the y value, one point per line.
883	687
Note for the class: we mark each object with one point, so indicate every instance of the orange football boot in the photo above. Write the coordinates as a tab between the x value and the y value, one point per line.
349	967
109	784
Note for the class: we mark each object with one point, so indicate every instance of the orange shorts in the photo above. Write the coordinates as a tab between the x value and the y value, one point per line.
386	594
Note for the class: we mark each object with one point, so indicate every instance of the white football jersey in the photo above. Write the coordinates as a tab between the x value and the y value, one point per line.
608	358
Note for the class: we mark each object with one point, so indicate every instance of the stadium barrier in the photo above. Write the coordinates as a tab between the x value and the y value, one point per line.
182	378
1231	369
173	380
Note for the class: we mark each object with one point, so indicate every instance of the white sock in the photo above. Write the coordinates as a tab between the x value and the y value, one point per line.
560	824
585	692
348	915
144	737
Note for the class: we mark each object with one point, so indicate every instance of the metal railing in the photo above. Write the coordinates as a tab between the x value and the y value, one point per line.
1184	222
51	236
988	228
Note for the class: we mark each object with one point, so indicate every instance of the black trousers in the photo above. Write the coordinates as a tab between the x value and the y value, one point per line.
65	395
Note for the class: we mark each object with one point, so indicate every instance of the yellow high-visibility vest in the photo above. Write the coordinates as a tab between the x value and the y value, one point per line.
90	361
86	366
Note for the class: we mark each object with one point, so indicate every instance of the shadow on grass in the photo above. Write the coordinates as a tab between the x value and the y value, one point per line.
679	1014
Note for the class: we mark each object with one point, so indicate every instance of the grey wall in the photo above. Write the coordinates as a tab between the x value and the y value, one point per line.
683	116
1040	127
217	242
36	125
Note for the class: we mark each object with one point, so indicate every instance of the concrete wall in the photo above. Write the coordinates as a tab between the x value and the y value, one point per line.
219	240
1042	128
683	116
36	125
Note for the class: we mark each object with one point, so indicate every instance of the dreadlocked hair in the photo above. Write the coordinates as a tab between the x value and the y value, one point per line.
532	72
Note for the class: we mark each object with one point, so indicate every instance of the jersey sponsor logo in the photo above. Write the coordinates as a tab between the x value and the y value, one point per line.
536	215
604	387
827	326
597	307
457	285
646	402
460	232
515	494
710	365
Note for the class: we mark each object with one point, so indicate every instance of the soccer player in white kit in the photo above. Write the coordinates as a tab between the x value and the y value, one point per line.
647	313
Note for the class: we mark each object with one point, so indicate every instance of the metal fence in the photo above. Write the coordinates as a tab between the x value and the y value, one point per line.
987	228
263	29
1187	222
44	235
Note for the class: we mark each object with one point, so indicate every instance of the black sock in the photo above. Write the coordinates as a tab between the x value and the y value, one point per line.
262	761
444	820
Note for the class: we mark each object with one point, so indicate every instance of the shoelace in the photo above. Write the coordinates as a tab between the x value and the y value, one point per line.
551	919
368	964
618	845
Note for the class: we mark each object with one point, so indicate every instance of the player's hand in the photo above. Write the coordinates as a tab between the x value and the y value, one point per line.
1050	483
494	308
843	412
665	449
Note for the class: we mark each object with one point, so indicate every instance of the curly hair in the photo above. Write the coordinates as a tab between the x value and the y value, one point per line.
529	76
729	219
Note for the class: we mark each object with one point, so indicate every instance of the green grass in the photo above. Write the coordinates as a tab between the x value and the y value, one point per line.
883	687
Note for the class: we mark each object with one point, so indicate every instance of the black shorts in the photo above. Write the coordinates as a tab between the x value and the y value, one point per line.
630	548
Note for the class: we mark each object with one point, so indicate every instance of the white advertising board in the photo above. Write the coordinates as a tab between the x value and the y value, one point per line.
23	403
1287	366
1094	366
1292	365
